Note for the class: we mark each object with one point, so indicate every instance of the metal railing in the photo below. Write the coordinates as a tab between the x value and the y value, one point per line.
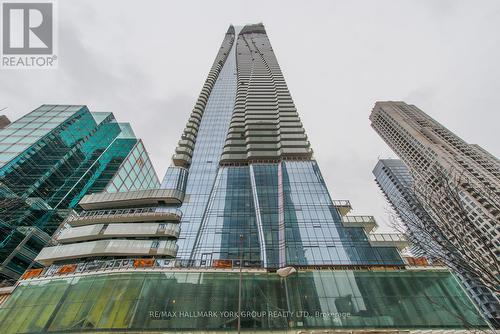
141	264
117	214
80	233
341	202
359	219
366	222
390	237
343	206
105	200
388	240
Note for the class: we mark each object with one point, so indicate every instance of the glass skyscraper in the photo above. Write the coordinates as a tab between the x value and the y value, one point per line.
396	182
49	159
213	248
250	172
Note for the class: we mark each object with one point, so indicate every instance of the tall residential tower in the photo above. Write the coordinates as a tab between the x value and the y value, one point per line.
426	146
250	202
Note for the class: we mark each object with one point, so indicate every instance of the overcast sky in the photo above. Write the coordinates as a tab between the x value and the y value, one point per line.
146	62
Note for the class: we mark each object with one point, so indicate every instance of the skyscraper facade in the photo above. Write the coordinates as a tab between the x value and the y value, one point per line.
213	248
250	172
395	181
425	145
50	158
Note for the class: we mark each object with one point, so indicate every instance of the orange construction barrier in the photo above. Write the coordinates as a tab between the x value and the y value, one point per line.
222	264
144	263
67	269
30	273
417	261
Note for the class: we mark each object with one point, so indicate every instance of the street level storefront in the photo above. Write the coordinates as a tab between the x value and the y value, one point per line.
197	301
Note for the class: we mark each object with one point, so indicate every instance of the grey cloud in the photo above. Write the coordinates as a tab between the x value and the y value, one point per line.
147	61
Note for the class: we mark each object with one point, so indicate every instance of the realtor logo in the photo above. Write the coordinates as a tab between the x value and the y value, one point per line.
28	35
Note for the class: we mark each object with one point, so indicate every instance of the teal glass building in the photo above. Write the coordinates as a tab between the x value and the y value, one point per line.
242	235
49	159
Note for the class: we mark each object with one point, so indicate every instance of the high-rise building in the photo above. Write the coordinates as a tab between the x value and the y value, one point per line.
50	158
261	245
396	182
425	145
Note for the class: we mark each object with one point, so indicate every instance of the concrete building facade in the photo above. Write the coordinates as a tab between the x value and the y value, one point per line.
424	145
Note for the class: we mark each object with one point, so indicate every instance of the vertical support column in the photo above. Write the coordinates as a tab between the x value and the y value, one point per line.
262	241
281	218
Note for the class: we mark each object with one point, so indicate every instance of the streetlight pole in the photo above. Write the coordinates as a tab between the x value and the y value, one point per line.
239	286
284	273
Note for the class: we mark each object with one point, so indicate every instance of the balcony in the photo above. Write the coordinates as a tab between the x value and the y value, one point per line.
344	206
118	230
182	160
368	223
104	248
131	199
125	216
388	240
